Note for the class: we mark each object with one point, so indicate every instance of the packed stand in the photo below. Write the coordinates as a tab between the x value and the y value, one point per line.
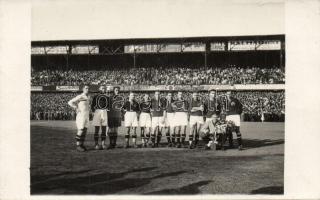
53	106
161	76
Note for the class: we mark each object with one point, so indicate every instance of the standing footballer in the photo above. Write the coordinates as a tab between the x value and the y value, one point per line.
233	111
181	107
169	119
196	119
158	118
131	109
145	120
81	104
114	116
99	107
212	106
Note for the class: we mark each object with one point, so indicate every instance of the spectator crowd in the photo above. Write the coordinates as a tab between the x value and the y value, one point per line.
53	106
161	76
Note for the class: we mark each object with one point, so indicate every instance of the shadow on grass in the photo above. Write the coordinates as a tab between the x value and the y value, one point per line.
123	184
69	183
255	143
269	190
40	178
103	183
185	190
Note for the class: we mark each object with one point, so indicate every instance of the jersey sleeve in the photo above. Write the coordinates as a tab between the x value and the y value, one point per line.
73	101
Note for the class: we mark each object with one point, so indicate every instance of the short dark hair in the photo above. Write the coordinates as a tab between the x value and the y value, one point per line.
116	87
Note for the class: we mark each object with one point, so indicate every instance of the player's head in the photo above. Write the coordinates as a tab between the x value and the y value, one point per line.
169	96
108	89
146	97
214	118
229	93
222	117
131	96
179	94
195	95
116	90
85	89
212	94
157	94
102	89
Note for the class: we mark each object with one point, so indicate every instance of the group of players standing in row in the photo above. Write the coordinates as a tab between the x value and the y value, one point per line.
156	116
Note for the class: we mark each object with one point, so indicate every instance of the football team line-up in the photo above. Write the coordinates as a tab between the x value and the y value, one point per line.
214	119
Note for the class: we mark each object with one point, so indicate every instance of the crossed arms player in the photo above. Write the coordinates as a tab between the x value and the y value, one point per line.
158	118
81	104
114	115
145	120
196	119
100	106
131	109
181	109
169	120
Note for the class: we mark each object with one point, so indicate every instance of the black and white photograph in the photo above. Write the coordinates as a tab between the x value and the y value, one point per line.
159	115
159	99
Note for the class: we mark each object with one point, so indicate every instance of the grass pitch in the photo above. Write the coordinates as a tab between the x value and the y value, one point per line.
56	168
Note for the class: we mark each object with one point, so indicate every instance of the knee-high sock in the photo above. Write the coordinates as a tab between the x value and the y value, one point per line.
168	136
103	134
173	138
142	136
96	135
83	136
229	134
183	138
134	137
159	137
239	138
127	136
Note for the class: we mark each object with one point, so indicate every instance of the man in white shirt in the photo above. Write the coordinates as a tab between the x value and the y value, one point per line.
81	104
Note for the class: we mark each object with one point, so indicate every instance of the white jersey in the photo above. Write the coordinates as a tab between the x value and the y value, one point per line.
82	102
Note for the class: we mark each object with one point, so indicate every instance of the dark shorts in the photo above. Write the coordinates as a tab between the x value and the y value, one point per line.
114	122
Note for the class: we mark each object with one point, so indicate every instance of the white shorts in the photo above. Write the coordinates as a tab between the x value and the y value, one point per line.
170	120
196	119
131	119
145	120
82	120
234	118
100	118
157	121
181	119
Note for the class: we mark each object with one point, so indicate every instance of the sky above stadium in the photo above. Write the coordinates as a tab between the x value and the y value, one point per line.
113	19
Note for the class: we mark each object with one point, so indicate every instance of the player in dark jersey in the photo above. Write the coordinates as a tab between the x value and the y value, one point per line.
169	119
100	106
114	115
181	108
233	112
131	109
158	118
145	119
196	119
212	107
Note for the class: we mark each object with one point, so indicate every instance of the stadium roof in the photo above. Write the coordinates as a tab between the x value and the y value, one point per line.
156	40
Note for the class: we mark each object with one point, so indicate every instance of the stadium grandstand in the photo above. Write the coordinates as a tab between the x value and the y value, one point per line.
252	66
